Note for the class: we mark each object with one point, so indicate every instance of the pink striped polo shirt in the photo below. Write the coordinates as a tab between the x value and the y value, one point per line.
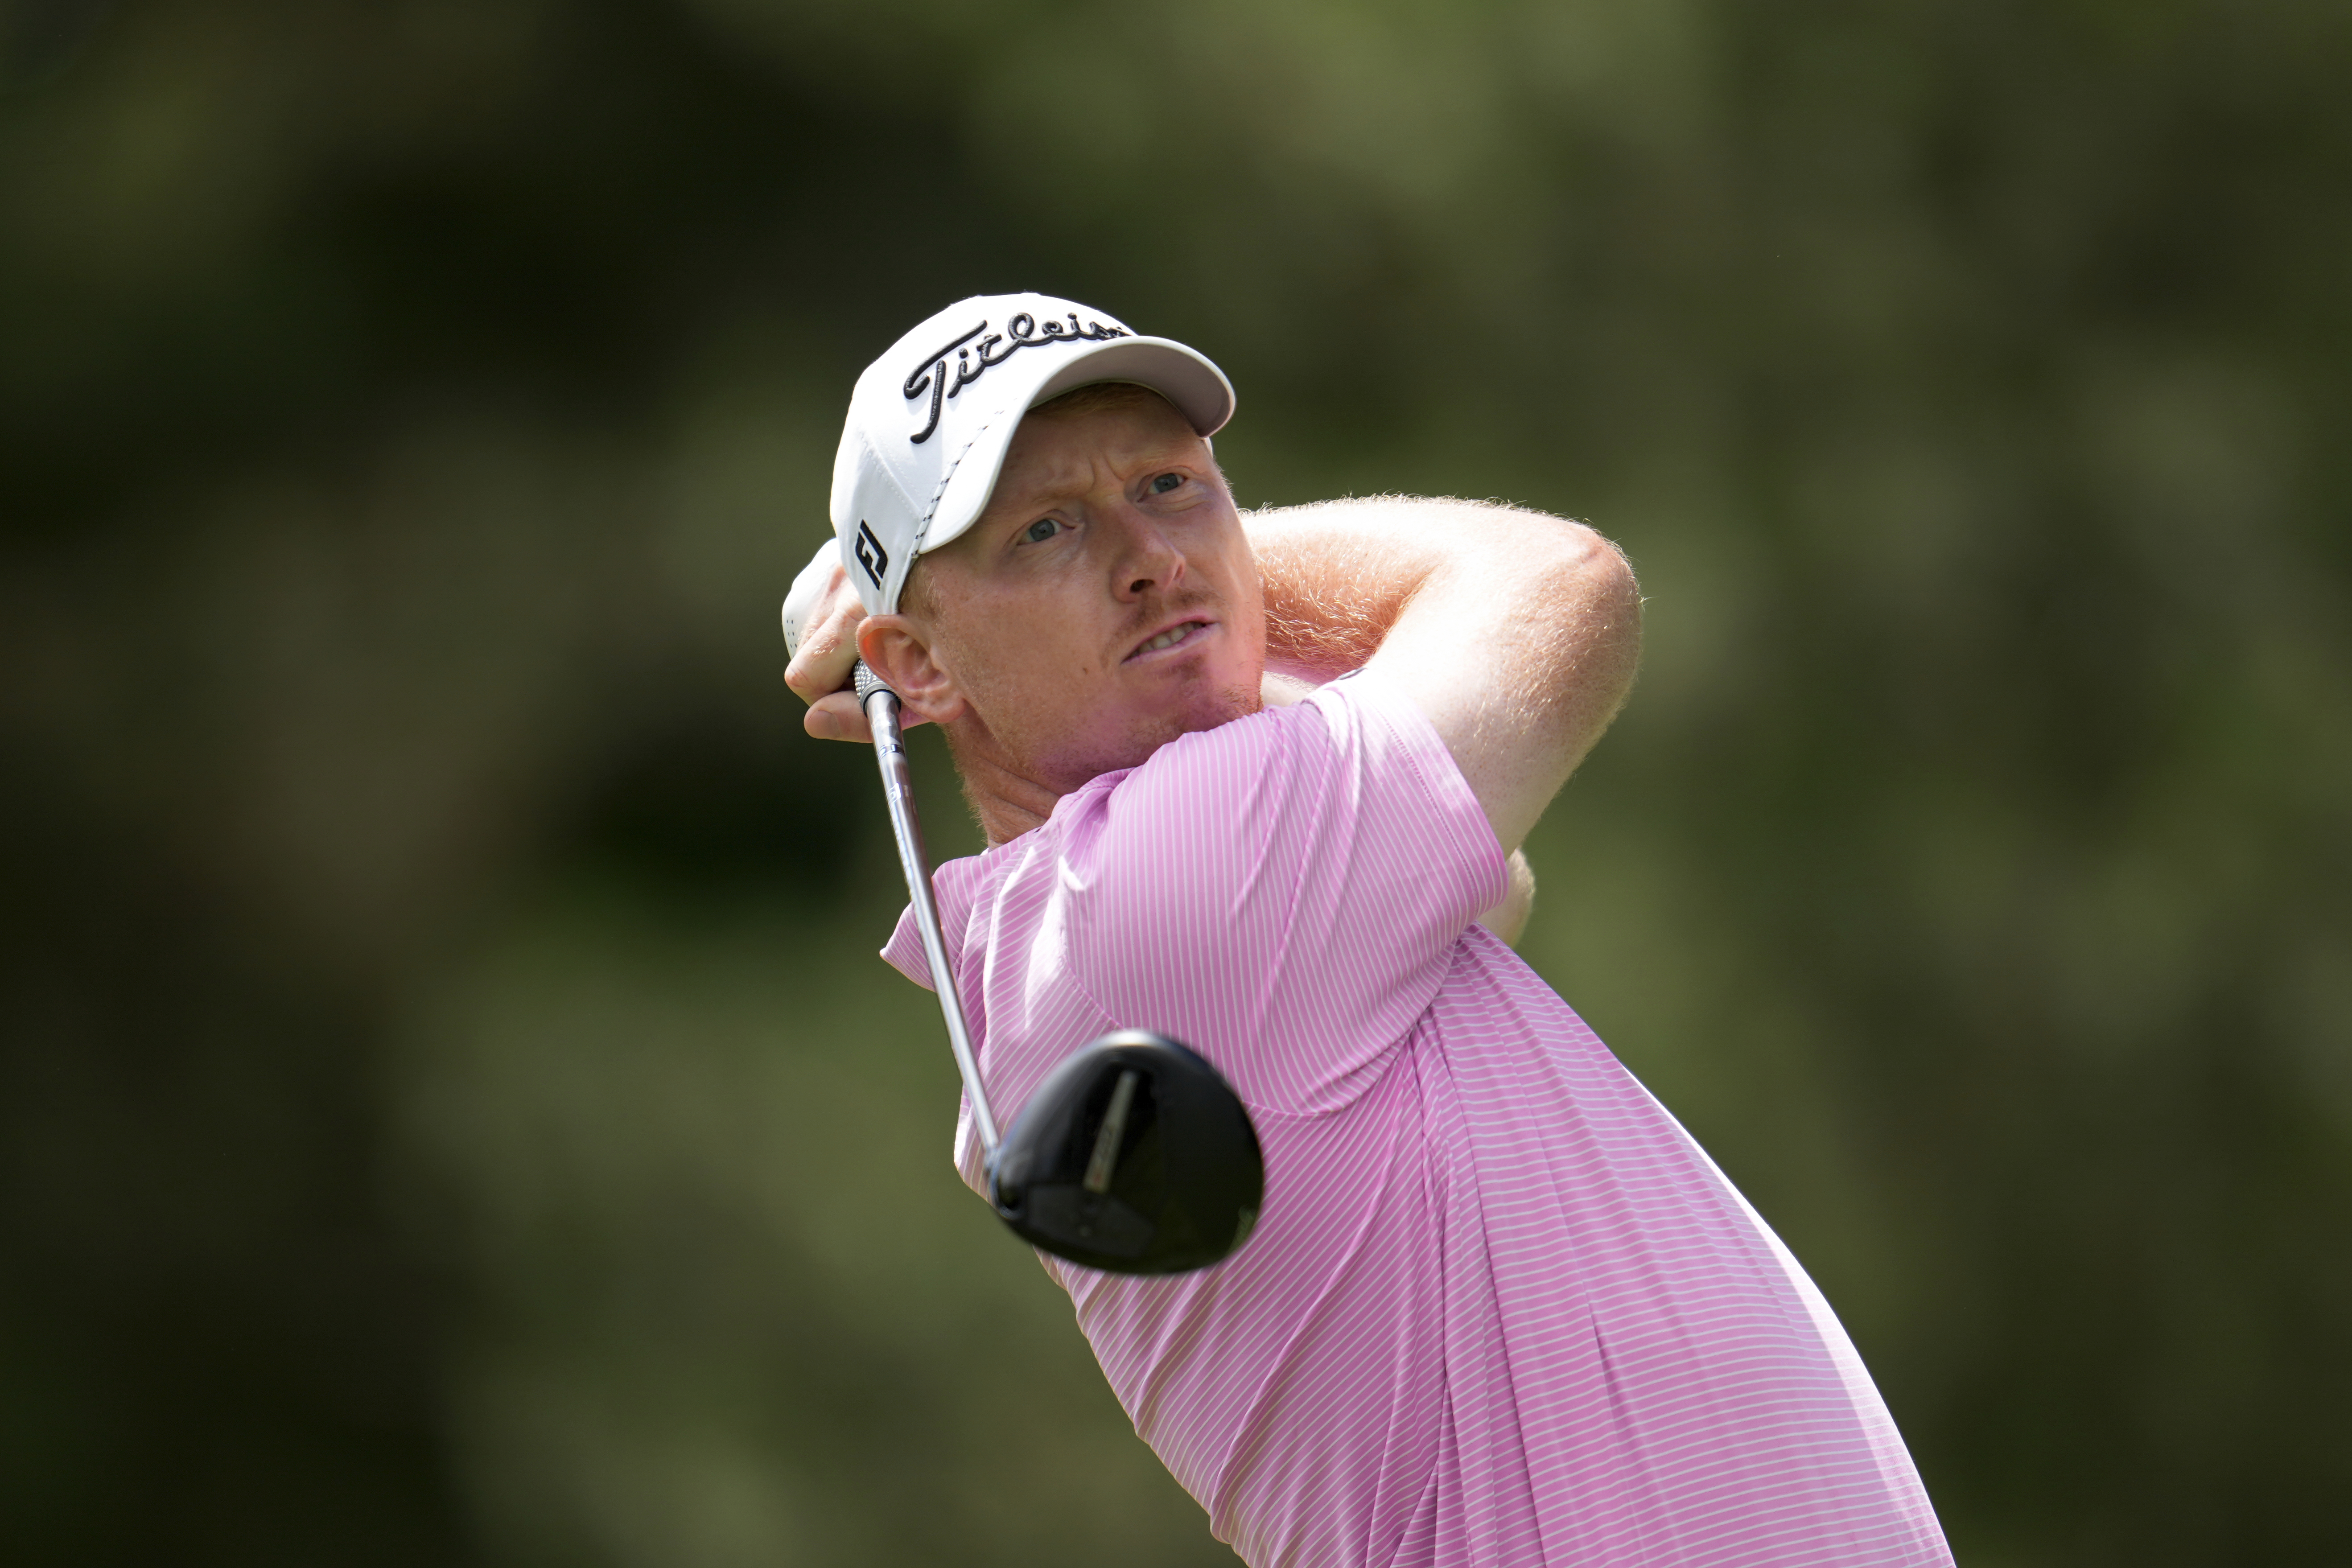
1499	1309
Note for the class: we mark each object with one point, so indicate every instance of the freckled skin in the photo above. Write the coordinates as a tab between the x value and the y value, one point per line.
1026	637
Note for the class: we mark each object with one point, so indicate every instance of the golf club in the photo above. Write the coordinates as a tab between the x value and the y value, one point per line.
1134	1155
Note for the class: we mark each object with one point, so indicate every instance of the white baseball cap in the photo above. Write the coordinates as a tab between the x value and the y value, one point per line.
930	420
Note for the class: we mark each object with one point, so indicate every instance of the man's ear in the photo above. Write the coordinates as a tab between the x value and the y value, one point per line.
895	648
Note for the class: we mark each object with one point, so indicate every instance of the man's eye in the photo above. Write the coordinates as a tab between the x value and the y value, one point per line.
1165	483
1043	529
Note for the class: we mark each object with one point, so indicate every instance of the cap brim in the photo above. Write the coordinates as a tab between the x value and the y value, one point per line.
1185	378
1197	389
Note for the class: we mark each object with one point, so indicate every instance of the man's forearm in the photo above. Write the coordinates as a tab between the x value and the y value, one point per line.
1516	633
1334	582
1338	573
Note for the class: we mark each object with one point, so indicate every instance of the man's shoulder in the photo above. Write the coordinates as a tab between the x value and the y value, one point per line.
1307	719
1357	724
1192	809
1227	750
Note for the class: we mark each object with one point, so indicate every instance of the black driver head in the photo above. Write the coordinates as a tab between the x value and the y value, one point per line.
1133	1156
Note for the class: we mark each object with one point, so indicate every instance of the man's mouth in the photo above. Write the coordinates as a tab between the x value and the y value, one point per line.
1174	635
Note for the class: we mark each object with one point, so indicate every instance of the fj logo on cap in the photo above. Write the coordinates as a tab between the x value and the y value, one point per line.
1023	331
870	553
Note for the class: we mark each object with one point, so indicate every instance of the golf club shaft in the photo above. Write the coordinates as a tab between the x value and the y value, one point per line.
898	788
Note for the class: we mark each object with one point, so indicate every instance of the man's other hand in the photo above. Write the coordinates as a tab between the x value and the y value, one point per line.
819	671
1508	920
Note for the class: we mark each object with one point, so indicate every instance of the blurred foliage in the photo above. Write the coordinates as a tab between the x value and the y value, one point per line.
450	1111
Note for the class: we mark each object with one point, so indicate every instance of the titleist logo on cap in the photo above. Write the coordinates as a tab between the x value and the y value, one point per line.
976	360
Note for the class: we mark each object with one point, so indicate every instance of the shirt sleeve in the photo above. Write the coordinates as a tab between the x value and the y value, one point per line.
1282	893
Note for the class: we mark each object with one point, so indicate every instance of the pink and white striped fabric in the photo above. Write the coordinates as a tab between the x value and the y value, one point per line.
1499	1309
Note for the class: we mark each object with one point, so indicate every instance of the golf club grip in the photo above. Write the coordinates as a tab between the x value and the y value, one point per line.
898	793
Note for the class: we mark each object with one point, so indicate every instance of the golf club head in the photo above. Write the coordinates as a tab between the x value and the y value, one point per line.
1133	1156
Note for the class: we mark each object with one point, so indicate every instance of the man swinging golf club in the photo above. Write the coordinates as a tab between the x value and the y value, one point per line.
1260	782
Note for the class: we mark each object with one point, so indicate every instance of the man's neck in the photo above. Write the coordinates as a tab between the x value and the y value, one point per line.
1008	802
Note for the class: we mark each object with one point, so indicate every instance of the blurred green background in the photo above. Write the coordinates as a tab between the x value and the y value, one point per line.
451	1111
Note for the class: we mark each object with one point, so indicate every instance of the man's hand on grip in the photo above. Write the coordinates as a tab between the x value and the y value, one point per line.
821	616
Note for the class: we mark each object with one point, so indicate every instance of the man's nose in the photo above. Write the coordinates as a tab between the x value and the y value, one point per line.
1147	559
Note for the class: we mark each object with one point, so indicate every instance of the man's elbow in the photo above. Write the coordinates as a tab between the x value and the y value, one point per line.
1589	604
1617	607
1594	600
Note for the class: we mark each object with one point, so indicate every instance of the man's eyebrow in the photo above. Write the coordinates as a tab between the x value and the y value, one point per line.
1012	513
1048	493
1034	497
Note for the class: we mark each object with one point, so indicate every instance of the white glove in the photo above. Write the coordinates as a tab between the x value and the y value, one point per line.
806	589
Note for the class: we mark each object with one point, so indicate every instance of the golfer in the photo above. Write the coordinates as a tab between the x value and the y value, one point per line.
1260	782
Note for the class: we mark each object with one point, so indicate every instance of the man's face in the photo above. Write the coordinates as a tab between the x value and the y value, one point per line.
1105	603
